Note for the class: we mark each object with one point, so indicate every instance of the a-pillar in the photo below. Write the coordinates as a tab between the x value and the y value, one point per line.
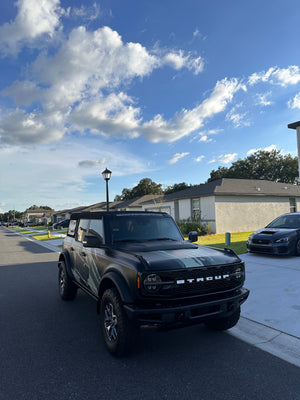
296	125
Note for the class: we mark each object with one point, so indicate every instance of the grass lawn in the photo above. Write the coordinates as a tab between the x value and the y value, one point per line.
238	241
44	237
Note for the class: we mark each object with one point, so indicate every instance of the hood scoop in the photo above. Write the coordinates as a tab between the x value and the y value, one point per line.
268	232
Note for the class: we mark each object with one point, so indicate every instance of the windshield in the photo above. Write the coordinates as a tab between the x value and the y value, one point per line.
136	227
285	222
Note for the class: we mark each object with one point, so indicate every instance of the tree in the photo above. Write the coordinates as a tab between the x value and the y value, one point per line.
34	207
176	187
11	215
267	165
145	186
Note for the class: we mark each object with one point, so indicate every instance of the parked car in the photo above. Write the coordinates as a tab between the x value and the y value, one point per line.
280	237
62	224
141	271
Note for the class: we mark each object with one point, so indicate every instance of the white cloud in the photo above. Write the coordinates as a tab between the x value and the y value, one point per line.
20	128
71	83
187	121
199	35
268	148
34	19
238	119
295	103
262	99
109	115
176	157
204	135
277	76
227	158
92	163
53	176
205	139
83	12
199	159
179	60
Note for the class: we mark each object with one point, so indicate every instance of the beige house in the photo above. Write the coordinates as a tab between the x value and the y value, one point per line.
38	216
230	205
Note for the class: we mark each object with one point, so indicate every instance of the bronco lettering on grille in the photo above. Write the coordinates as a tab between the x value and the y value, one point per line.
202	279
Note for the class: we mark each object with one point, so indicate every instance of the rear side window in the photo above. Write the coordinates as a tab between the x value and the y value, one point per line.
96	228
72	227
82	229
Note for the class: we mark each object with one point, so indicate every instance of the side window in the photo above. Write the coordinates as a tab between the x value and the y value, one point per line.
72	227
96	228
82	229
196	209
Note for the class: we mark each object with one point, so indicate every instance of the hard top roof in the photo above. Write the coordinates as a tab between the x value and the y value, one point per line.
100	214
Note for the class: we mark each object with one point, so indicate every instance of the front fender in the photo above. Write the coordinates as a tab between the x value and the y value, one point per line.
114	279
64	256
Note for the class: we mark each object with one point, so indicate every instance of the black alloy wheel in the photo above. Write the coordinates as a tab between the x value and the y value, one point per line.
67	288
118	331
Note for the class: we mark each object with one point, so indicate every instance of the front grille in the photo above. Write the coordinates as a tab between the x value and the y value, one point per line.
260	241
183	283
260	249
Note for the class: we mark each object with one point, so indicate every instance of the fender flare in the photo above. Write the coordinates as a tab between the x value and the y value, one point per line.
64	256
114	279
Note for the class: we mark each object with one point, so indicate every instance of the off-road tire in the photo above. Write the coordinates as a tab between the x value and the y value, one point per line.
222	324
67	288
119	333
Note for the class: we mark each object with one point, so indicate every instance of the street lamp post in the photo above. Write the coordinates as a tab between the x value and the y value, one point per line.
106	176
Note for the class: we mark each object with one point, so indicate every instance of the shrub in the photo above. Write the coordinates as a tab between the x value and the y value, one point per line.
188	225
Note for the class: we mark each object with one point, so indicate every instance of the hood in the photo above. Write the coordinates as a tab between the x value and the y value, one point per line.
193	257
274	233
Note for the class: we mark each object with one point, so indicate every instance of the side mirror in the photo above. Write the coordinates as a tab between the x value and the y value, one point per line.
193	236
92	241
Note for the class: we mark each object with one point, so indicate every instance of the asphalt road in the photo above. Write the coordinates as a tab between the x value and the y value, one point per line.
50	349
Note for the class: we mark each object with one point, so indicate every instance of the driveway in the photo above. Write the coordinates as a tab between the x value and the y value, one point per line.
274	299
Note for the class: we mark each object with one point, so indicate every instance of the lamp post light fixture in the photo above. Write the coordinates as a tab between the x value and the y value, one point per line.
106	176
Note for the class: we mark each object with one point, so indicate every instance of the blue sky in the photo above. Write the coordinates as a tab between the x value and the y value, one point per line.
168	90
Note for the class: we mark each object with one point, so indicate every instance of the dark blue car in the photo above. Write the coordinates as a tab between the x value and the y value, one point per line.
62	224
280	237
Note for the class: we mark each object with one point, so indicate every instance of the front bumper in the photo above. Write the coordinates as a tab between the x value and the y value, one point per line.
186	314
273	248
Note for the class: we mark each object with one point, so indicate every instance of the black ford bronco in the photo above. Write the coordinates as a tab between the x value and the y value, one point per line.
141	271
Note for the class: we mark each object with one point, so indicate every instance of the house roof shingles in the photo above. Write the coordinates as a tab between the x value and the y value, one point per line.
235	187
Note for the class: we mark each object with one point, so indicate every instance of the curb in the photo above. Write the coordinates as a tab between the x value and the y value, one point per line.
275	342
44	243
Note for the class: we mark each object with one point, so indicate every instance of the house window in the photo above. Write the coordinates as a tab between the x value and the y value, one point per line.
196	209
293	206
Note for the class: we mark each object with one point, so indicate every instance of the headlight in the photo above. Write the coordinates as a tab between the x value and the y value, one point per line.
250	238
239	273
283	240
152	283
